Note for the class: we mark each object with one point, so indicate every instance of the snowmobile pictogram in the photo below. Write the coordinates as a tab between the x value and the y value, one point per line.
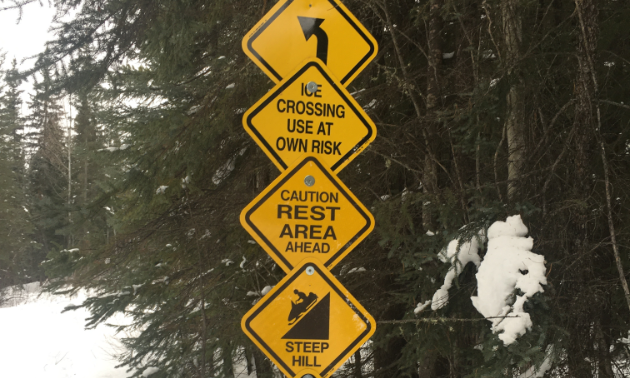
303	304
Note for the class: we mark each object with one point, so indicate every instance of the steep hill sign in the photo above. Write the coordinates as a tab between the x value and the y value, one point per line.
309	323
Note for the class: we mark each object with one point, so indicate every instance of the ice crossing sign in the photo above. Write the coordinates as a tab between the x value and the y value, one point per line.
327	122
307	212
296	30
309	323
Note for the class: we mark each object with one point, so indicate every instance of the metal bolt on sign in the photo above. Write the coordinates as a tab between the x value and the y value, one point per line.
311	87
309	180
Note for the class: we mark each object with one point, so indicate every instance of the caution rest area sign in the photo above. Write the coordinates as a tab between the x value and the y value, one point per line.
307	212
290	121
309	323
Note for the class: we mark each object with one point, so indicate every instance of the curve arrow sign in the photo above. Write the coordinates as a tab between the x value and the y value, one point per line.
312	26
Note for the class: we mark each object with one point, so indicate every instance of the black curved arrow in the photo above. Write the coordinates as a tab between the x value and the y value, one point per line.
311	26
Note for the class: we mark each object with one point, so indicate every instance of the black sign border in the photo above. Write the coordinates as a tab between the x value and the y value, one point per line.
267	301
284	6
279	89
279	185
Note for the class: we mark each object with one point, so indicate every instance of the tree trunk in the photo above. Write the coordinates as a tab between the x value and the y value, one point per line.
357	364
604	362
387	358
514	120
263	366
426	366
228	364
434	47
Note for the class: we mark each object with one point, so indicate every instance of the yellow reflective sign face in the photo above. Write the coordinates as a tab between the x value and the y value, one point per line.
289	121
307	212
296	30
309	323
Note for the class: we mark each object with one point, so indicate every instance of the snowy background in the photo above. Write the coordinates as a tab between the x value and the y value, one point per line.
38	341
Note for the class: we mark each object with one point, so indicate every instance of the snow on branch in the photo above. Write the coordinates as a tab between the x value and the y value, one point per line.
458	253
509	265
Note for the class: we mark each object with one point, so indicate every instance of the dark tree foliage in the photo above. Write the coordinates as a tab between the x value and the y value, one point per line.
48	167
16	265
484	109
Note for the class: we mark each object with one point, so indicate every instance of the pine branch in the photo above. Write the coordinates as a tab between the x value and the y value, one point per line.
442	320
17	5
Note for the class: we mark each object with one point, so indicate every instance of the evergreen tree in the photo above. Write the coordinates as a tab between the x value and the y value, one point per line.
16	266
484	109
48	168
87	146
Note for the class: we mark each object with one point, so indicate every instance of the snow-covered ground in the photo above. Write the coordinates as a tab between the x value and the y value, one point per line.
38	341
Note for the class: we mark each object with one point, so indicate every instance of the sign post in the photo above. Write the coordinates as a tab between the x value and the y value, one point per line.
307	219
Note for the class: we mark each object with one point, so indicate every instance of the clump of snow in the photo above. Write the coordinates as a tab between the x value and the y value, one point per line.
227	262
112	149
508	265
449	55
421	306
539	372
150	371
230	86
161	189
266	289
488	54
370	105
193	109
224	171
356	270
458	253
185	181
357	92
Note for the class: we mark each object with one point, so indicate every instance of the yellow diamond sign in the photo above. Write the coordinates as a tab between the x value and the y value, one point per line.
309	323
326	122
307	212
296	30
